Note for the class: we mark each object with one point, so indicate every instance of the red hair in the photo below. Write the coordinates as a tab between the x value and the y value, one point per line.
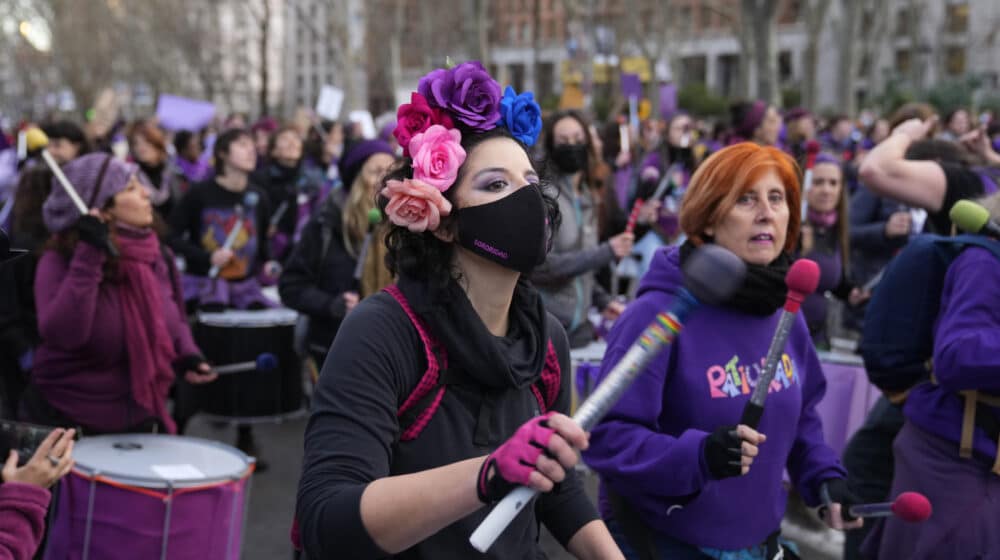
726	176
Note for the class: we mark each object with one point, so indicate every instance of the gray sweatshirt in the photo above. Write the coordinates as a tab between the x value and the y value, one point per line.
566	279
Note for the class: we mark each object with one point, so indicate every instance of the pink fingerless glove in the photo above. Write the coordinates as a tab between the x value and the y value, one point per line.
515	460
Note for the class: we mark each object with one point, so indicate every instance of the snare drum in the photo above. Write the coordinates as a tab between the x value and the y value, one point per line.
241	336
151	496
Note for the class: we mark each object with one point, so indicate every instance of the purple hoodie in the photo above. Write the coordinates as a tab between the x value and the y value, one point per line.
22	518
966	339
649	447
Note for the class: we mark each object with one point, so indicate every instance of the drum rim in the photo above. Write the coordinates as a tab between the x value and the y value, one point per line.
159	483
213	319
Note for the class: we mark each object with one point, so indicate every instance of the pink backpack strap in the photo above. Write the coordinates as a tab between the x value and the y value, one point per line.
429	383
546	389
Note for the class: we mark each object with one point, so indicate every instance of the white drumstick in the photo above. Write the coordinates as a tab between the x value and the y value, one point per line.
66	185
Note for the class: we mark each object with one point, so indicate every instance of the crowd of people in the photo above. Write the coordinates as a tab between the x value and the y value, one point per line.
446	269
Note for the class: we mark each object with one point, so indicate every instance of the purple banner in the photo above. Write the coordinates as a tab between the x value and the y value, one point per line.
631	86
668	100
180	113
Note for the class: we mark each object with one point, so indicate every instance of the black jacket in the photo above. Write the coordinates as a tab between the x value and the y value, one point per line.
313	280
353	434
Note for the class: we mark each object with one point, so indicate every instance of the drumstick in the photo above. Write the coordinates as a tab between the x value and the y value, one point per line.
77	201
668	181
64	182
279	213
711	275
264	362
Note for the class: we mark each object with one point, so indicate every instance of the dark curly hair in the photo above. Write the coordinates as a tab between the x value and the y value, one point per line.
422	255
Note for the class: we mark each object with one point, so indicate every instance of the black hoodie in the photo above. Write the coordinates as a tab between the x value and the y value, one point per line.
353	434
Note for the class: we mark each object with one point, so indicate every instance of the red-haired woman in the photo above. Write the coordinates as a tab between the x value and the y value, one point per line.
148	146
679	478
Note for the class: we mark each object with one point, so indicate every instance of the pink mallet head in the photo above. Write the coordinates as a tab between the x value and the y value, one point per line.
912	507
802	279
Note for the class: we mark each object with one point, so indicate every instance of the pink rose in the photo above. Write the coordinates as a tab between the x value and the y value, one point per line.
437	154
415	205
415	117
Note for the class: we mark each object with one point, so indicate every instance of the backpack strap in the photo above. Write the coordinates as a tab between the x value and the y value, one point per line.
430	389
419	407
546	388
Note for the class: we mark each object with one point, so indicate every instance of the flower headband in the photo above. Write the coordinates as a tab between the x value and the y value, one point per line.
426	130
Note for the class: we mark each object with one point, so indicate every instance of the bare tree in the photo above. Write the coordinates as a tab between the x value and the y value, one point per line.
655	28
758	21
730	15
815	17
86	44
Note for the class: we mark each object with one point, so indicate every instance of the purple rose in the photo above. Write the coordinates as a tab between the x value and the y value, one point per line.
467	91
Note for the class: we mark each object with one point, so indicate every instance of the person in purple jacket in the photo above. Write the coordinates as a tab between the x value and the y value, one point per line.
928	458
679	478
24	494
112	325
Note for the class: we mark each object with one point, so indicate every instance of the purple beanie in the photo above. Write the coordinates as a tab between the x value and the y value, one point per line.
59	212
827	157
796	114
751	119
357	154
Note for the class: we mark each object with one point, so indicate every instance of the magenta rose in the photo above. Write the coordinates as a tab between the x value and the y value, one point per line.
415	205
437	154
468	91
415	117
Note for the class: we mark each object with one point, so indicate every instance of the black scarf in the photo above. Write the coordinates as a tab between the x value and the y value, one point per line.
283	176
154	173
763	291
513	361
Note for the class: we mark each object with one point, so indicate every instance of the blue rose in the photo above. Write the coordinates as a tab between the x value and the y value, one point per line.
521	115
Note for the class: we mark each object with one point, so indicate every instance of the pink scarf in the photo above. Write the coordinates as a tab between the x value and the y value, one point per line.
147	340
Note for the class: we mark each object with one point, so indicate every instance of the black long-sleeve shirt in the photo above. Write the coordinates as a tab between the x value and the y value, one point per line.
353	439
315	280
200	222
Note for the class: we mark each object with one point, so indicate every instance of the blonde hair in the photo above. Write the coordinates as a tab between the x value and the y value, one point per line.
355	215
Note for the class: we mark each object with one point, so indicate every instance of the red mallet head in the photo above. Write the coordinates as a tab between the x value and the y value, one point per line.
812	150
802	279
912	507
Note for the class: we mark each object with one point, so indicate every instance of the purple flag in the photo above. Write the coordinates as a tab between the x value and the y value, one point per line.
180	113
668	100
631	86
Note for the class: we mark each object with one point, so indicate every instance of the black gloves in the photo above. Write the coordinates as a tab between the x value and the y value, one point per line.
188	363
839	492
724	452
93	231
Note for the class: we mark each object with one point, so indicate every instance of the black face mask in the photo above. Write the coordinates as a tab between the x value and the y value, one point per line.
570	158
511	232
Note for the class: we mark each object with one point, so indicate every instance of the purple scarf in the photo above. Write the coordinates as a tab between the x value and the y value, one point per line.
823	219
147	340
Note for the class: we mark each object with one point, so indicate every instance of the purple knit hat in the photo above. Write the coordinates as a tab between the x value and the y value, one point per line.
59	212
796	114
751	119
357	154
827	157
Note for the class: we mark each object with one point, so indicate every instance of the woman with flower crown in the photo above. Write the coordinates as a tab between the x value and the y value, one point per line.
443	392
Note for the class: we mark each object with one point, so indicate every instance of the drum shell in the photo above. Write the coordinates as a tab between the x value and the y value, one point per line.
250	393
128	514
